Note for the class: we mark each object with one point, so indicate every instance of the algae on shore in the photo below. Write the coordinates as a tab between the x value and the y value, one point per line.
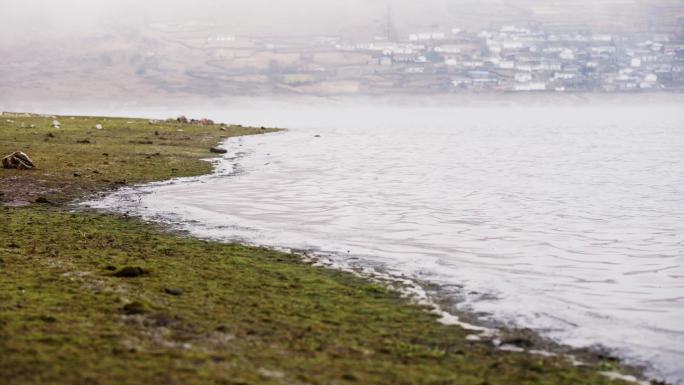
90	298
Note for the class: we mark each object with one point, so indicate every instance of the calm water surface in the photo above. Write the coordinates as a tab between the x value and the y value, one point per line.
569	220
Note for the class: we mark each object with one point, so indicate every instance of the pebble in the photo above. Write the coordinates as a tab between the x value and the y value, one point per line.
218	150
173	291
129	272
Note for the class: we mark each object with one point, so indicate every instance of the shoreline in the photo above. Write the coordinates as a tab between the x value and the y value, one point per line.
556	367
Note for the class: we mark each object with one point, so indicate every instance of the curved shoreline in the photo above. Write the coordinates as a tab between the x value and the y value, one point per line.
423	293
196	311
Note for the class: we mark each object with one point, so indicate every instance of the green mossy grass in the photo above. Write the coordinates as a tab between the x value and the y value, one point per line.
90	298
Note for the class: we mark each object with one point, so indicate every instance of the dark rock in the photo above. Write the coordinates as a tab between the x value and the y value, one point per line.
43	200
165	320
130	272
84	141
47	318
18	160
110	267
77	174
173	291
218	150
134	308
50	135
317	136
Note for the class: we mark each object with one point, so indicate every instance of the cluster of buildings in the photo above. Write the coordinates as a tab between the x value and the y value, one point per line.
527	59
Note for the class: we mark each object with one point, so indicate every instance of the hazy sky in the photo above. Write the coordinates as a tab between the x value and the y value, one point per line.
56	18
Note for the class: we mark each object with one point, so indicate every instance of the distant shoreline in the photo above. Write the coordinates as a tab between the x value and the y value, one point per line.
161	106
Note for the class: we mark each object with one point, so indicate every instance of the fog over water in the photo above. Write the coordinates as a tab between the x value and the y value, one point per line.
568	219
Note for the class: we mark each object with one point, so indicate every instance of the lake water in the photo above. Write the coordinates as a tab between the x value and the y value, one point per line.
568	219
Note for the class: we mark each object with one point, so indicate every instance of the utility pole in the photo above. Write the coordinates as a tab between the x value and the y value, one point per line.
388	23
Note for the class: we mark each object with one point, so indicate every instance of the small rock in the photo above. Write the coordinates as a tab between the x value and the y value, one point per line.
32	126
47	318
218	150
317	136
223	129
77	174
173	291
84	141
130	272
43	200
18	160
98	126
110	267
56	124
134	308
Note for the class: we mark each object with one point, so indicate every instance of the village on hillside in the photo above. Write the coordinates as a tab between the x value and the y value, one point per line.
507	59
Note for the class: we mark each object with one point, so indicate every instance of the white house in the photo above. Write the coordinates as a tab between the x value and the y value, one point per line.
567	54
523	77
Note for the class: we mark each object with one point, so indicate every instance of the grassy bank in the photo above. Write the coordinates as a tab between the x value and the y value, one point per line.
87	298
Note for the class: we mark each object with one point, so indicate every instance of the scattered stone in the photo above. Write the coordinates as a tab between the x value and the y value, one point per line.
50	135
218	150
317	136
98	126
56	124
130	272
134	308
277	375
47	318
43	200
223	129
110	267
77	174
156	133
84	141
18	160
32	126
173	291
182	119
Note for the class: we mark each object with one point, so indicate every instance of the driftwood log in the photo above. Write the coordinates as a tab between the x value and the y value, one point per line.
18	160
